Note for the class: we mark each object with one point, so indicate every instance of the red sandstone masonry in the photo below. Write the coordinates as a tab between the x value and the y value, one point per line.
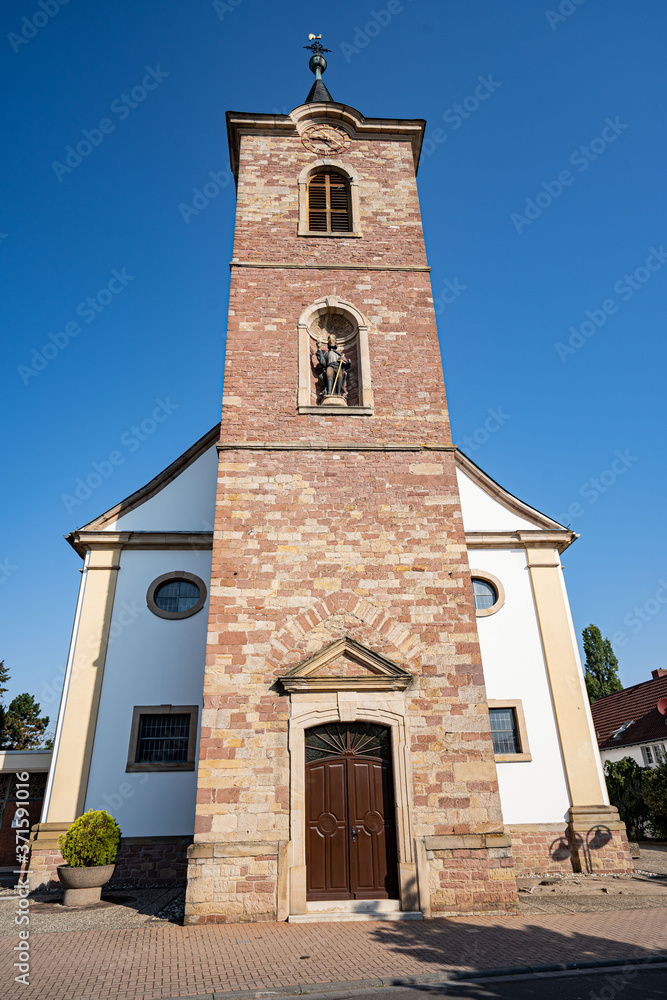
549	847
304	538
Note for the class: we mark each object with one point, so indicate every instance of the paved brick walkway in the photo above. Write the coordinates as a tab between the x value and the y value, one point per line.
170	961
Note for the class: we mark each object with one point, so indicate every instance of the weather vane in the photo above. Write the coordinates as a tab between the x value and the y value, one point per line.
316	47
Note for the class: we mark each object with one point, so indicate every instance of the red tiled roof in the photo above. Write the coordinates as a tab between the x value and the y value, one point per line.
637	703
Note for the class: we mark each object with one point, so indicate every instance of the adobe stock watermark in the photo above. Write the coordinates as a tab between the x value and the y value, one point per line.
7	568
460	112
494	421
565	9
121	107
130	441
581	158
203	197
31	26
449	293
363	36
88	310
21	826
625	288
597	486
223	7
641	615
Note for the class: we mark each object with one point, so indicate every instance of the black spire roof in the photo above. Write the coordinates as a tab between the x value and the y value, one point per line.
318	92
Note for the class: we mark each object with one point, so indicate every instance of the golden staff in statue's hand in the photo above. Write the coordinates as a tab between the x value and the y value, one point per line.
340	365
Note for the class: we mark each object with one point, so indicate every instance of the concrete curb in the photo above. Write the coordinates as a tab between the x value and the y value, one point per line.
447	977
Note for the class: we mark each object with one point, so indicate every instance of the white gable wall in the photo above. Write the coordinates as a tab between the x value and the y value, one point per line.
187	503
150	661
482	512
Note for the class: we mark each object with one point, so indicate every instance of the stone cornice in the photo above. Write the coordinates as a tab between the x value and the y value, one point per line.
388	129
84	541
332	446
321	266
539	538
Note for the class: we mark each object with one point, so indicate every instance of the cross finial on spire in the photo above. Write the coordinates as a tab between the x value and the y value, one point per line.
318	64
316	47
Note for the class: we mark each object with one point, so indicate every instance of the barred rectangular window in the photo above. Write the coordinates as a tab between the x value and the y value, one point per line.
504	730
163	738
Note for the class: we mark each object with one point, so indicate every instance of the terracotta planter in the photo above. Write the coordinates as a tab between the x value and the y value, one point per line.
83	886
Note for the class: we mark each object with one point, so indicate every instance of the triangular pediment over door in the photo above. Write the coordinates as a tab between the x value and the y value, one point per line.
346	665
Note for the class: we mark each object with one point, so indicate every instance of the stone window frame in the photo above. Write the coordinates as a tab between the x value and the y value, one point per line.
351	175
482	574
337	306
182	765
516	705
176	575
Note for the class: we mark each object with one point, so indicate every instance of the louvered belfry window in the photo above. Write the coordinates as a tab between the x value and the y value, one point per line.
329	203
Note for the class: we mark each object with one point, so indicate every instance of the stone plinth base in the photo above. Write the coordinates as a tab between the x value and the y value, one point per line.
334	401
231	883
472	873
593	840
599	839
140	861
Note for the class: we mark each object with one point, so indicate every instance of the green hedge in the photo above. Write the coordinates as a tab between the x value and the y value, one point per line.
640	795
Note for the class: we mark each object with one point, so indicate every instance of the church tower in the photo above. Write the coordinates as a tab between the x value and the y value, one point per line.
346	759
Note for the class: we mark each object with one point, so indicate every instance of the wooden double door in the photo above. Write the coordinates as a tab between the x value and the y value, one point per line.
350	825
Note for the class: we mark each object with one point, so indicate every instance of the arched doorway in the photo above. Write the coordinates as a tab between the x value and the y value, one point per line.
350	823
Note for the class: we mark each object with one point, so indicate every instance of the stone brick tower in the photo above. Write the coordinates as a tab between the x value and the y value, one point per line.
346	753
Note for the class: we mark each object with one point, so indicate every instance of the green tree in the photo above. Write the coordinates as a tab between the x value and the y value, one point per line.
4	679
601	667
23	727
655	794
626	786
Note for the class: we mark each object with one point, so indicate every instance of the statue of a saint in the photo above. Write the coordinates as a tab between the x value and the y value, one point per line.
336	366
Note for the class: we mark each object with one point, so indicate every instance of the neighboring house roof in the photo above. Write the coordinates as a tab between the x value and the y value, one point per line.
636	704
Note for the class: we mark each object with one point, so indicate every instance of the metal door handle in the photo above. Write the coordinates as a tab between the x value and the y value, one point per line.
354	835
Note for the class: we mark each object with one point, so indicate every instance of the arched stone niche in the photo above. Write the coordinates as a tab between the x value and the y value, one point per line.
332	315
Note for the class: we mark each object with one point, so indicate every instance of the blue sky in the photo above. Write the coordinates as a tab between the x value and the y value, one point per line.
544	213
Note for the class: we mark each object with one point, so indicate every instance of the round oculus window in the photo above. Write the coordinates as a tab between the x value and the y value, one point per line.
484	593
488	593
176	595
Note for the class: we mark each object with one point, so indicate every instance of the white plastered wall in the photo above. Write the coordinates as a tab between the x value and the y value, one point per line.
482	512
150	661
532	791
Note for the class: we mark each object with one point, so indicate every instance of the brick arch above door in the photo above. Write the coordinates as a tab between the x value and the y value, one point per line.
365	621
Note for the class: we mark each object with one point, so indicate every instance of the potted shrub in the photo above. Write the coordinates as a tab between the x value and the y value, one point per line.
89	848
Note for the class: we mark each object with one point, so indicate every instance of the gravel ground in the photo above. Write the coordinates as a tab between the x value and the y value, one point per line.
652	856
120	907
